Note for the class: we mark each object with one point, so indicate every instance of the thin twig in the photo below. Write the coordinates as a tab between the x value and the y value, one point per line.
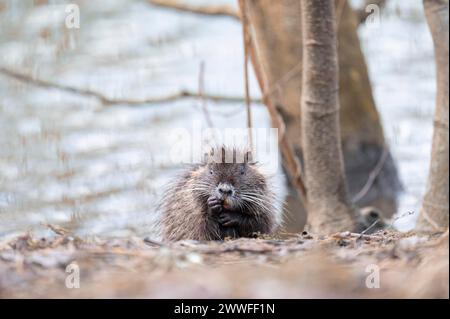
211	10
372	176
236	111
201	89
183	94
391	225
370	227
285	79
246	38
151	242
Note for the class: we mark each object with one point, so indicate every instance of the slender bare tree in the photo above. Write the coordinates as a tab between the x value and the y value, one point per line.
328	204
435	211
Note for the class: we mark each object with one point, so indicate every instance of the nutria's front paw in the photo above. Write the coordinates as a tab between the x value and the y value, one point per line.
215	204
229	219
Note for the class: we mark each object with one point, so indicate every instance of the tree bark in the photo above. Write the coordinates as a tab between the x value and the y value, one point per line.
275	28
434	214
328	205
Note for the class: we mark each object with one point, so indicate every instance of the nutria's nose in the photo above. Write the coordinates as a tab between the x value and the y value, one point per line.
225	189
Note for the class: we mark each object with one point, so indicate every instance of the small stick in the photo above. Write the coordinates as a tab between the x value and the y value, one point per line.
152	242
246	38
370	227
211	10
372	176
201	88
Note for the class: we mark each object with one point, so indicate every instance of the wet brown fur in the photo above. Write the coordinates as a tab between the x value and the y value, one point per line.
186	213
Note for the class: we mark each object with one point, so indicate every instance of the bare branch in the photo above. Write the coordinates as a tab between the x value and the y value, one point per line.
201	89
183	94
211	10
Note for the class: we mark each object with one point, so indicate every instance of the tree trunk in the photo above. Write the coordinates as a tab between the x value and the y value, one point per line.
435	210
275	27
329	209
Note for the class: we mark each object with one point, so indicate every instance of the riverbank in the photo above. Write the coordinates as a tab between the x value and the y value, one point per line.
344	265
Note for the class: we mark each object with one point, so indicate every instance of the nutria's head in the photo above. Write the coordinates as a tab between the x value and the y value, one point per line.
232	176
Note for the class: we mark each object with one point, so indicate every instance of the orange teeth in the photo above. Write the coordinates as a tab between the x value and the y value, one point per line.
226	203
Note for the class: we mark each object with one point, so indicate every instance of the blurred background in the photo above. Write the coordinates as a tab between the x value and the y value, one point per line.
98	168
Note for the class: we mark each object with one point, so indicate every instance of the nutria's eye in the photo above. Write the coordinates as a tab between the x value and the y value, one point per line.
211	172
242	170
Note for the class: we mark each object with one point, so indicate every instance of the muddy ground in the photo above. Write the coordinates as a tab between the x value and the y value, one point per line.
343	265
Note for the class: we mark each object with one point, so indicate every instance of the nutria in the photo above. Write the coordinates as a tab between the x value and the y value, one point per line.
226	195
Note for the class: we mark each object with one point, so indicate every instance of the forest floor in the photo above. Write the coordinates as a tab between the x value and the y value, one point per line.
345	265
